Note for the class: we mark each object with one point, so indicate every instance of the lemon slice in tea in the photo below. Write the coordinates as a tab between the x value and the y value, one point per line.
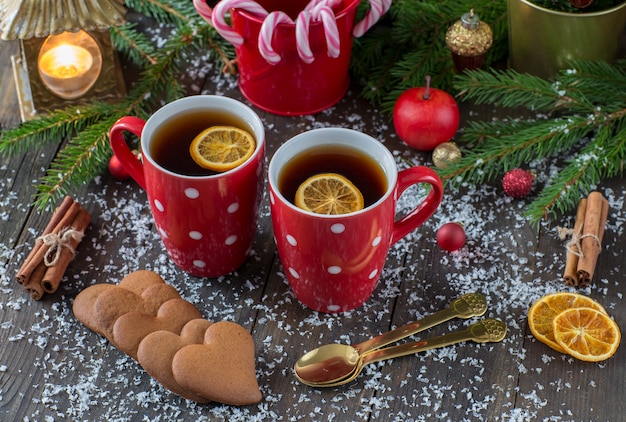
222	148
329	193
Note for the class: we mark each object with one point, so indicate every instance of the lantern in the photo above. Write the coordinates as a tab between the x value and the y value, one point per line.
66	53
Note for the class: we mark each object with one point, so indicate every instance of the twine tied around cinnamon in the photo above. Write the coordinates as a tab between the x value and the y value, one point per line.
586	240
57	241
574	245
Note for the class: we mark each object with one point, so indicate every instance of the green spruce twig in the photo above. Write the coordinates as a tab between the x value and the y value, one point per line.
583	116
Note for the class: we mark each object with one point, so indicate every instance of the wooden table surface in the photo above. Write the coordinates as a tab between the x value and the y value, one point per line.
54	368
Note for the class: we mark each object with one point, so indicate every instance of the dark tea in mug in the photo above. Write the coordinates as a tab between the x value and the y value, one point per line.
171	141
358	167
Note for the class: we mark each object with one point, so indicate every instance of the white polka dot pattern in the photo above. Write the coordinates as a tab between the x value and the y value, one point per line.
158	205
192	193
337	228
334	269
196	234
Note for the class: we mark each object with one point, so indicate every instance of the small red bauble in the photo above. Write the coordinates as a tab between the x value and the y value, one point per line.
425	117
451	237
117	170
517	183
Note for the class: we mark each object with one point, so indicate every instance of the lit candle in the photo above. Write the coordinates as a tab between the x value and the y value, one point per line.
69	64
66	62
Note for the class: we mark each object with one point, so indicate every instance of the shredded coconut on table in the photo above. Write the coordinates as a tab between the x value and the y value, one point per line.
487	264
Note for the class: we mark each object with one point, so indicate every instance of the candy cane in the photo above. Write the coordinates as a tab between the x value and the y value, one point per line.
267	32
219	22
377	9
315	3
303	44
315	11
331	32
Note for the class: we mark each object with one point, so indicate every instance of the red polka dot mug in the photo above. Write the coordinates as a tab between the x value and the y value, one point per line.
206	220
333	262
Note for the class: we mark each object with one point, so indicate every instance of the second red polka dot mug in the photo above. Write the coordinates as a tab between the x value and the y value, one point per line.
333	262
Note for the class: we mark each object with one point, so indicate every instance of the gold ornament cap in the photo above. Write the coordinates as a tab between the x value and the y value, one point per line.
469	36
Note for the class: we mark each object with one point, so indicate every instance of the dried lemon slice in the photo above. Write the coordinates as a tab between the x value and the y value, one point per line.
542	313
222	148
586	334
329	193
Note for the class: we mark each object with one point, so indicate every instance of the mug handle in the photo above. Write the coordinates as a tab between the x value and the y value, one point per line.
426	208
128	160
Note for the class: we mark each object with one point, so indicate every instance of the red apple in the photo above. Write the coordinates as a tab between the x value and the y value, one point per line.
425	117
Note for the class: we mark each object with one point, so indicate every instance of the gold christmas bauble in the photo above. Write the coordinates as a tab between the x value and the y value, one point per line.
445	154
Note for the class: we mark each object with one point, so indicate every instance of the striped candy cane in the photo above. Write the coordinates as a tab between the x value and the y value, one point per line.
331	32
315	11
219	13
302	37
267	32
377	9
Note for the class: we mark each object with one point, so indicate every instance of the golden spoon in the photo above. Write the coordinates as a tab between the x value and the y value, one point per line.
487	330
333	362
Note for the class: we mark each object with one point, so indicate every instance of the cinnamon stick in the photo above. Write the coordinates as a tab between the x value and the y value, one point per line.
58	214
591	239
570	275
33	286
54	273
29	266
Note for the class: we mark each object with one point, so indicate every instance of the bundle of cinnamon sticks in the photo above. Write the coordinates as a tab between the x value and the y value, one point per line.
586	242
45	265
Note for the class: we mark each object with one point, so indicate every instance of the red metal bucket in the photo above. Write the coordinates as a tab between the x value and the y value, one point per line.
291	86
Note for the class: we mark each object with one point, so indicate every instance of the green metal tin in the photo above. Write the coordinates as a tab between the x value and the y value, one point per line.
542	40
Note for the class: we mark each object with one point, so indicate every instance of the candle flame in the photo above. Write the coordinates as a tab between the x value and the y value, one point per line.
66	61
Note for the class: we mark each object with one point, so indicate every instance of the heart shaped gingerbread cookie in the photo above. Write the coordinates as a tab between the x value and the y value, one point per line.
130	328
147	319
156	352
222	369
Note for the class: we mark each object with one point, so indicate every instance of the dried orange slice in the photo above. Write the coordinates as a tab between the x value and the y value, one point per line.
329	193
542	313
586	334
222	148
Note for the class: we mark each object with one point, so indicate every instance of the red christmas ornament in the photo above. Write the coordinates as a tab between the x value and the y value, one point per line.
451	237
117	171
517	183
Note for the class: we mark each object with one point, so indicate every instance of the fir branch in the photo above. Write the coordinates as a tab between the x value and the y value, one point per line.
576	115
78	161
50	129
507	88
135	45
177	12
599	160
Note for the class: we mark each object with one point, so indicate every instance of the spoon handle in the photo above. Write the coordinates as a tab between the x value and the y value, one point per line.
483	331
466	306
